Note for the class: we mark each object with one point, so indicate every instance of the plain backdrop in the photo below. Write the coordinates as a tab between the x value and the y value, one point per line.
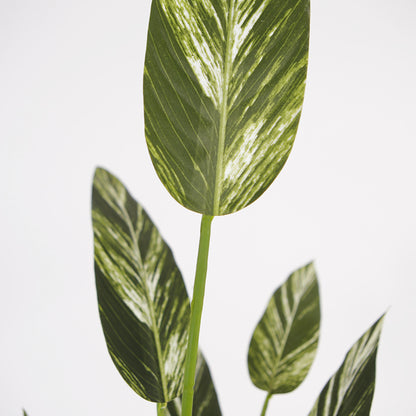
71	99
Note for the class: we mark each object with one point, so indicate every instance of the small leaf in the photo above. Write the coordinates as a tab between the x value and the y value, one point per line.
223	90
205	398
24	413
144	307
350	390
285	340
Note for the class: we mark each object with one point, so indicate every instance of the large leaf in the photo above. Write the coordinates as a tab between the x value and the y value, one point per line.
350	390
285	340
223	89
205	398
144	307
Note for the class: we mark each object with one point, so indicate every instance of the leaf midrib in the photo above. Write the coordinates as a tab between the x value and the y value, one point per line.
284	340
155	331
219	171
296	303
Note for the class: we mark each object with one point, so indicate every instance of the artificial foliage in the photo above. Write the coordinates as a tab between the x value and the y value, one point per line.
223	90
224	84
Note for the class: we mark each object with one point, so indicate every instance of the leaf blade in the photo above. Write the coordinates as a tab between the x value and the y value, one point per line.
223	91
284	343
143	304
350	390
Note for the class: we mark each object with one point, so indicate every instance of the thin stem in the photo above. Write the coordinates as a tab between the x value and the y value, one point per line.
196	313
266	403
161	409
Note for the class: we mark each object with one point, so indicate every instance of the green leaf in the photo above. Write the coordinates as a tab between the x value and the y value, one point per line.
285	340
223	91
350	390
205	399
24	412
144	307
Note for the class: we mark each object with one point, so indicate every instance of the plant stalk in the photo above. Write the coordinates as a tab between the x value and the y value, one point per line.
196	313
161	409
266	403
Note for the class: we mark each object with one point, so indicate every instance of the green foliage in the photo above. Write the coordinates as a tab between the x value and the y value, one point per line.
144	307
224	83
223	90
350	390
285	340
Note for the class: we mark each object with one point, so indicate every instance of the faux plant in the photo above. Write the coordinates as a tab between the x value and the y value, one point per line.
224	83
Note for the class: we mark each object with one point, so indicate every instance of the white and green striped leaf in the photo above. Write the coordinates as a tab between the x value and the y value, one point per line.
350	390
205	398
224	83
285	340
143	304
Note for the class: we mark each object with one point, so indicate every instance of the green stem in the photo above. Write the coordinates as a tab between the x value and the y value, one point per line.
161	409
266	403
196	313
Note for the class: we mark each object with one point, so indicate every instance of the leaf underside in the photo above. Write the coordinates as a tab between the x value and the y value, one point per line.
350	390
285	340
223	90
205	398
144	307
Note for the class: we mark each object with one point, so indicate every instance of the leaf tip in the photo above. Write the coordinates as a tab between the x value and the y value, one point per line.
311	265
99	171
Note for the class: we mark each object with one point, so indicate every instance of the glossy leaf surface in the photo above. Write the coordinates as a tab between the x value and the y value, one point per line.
205	398
223	90
143	303
285	340
350	390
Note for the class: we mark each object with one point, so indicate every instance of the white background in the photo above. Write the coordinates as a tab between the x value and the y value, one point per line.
71	99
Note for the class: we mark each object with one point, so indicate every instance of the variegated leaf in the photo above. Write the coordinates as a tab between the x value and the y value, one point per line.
205	399
350	390
144	307
285	340
223	90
